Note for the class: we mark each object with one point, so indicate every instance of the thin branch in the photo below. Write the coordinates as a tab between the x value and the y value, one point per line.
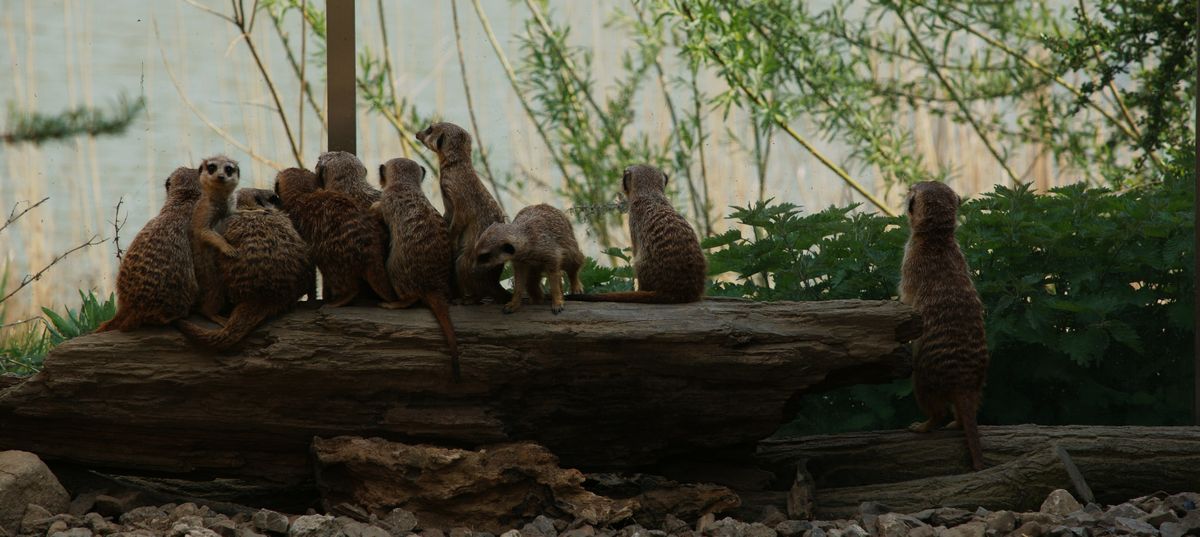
387	57
781	122
512	79
303	82
117	223
698	115
95	240
406	136
462	65
296	67
21	322
962	106
13	215
188	102
240	21
209	10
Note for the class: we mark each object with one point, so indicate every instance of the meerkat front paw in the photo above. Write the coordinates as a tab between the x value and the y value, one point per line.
921	426
230	252
511	307
556	308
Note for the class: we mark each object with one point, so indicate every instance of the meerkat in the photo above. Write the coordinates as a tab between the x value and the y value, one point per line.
539	241
246	199
156	283
271	272
950	359
219	177
347	243
667	261
418	264
341	171
470	209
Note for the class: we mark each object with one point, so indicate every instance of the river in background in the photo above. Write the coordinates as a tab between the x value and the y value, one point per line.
61	54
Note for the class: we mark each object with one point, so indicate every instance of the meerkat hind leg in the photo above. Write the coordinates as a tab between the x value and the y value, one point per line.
520	274
556	290
533	287
403	302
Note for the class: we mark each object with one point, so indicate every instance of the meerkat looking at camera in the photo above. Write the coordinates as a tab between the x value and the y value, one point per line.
470	209
539	241
219	176
156	283
418	264
667	261
950	359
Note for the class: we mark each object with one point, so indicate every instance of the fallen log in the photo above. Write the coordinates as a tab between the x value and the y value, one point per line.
1116	463
603	386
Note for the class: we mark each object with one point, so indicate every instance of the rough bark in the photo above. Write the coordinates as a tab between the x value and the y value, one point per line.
603	386
1117	463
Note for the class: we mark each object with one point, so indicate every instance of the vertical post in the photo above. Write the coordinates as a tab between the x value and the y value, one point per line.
340	73
1196	248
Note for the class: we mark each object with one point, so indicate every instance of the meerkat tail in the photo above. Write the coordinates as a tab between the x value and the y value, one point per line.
441	310
377	278
965	409
245	317
636	297
120	321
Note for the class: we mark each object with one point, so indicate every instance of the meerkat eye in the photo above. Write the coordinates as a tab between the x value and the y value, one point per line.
212	168
229	169
508	249
484	257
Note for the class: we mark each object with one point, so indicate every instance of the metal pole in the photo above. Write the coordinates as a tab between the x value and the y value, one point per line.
340	66
1196	248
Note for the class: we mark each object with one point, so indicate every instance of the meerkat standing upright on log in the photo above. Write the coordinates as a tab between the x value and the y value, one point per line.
667	261
157	280
419	263
219	177
539	241
470	209
950	359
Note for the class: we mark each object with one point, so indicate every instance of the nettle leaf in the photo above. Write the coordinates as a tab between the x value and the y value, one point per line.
1087	346
1124	334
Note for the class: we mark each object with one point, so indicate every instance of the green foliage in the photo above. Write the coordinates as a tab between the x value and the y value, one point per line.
39	128
24	346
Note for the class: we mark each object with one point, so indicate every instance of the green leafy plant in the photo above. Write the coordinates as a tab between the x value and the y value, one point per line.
92	311
24	346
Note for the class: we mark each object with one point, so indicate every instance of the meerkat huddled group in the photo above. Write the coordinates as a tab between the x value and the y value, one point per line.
216	250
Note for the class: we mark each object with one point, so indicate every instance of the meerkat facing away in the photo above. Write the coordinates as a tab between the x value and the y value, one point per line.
341	171
538	241
470	209
246	199
667	261
156	283
419	260
219	177
347	243
950	359
271	272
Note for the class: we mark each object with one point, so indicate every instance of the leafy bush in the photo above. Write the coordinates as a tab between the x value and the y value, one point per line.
23	347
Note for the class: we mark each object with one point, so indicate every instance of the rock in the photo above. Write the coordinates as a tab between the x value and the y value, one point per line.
223	527
587	530
1001	522
726	527
82	503
314	526
1029	529
268	520
35	520
1045	519
184	510
969	529
56	526
509	533
1188	525
793	528
1133	526
772	516
143	515
492	488
673	524
1060	503
73	532
1125	510
114	506
1160	516
247	532
400	522
1068	531
541	526
854	530
25	480
653	497
758	529
949	516
922	531
432	532
895	525
1183	502
1082	518
99	524
816	532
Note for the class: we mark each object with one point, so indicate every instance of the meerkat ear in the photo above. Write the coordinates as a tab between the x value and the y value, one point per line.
382	176
167	184
665	178
625	182
422	172
437	143
320	176
201	168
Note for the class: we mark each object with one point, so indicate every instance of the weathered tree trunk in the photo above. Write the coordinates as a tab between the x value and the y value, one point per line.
909	471
603	386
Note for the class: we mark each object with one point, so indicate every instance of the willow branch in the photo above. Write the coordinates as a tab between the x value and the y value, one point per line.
240	21
462	65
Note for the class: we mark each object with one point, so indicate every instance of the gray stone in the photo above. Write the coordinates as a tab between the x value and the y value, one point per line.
1001	522
313	526
922	531
542	526
1133	526
1031	528
1068	531
969	529
1183	502
1160	516
895	525
185	509
509	533
759	529
461	532
1060	503
816	532
24	479
726	527
772	516
949	516
673	524
143	514
793	528
223	527
431	532
35	520
1188	525
99	524
56	526
400	522
587	530
1125	510
247	532
83	503
854	530
73	532
1045	519
268	520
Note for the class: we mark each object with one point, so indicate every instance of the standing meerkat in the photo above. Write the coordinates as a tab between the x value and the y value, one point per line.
271	272
246	199
470	209
538	241
219	177
950	359
347	243
419	262
341	171
157	282
667	261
